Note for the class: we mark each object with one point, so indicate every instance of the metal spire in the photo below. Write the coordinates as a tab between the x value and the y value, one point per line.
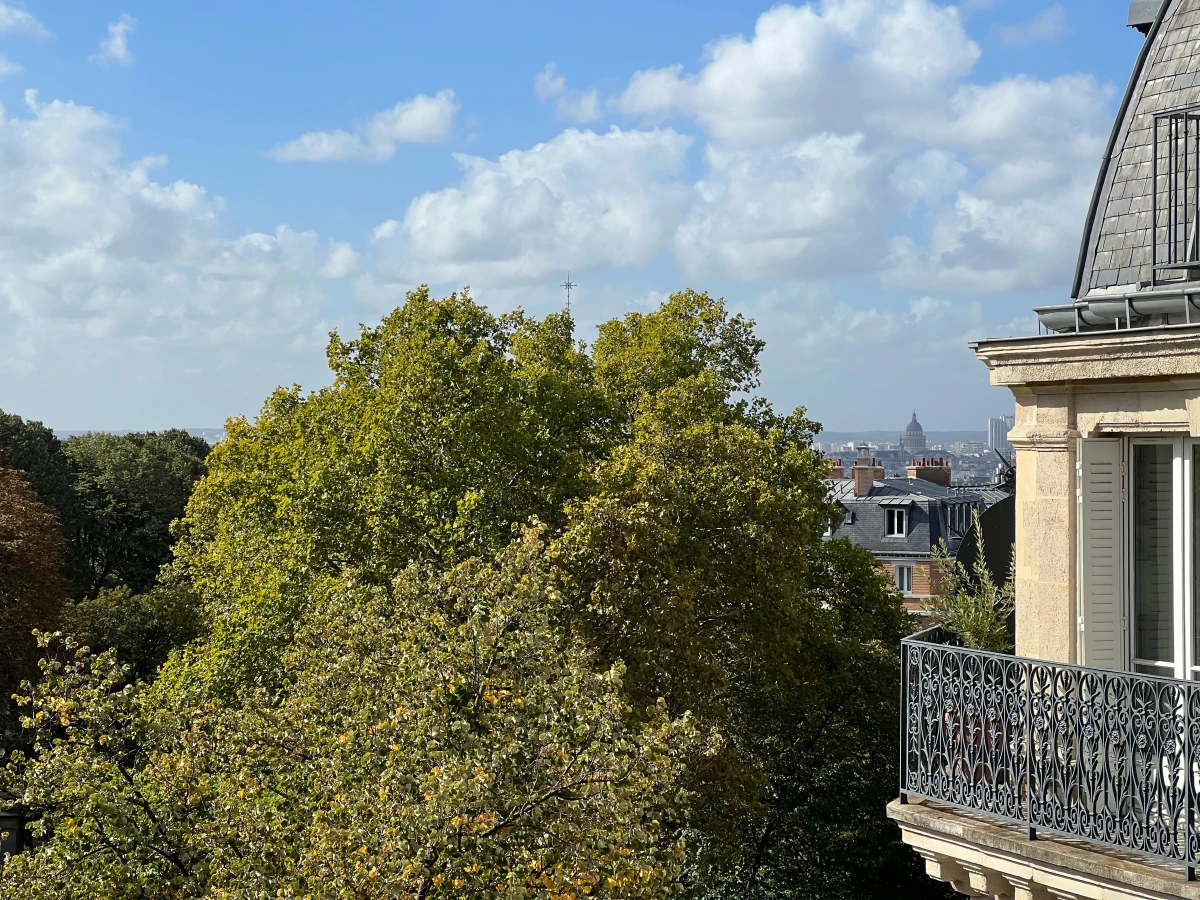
568	284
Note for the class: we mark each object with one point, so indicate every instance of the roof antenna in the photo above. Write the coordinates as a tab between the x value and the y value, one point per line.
568	284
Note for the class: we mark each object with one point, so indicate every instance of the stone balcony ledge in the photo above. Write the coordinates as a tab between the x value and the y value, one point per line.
983	857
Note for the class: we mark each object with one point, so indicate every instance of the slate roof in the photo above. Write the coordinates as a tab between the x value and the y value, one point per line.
865	523
843	488
1118	234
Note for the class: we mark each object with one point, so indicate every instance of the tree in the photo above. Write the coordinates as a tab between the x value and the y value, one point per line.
438	739
969	602
142	629
34	449
31	585
130	488
699	561
444	427
683	565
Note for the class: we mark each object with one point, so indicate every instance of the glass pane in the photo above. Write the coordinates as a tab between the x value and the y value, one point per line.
1154	618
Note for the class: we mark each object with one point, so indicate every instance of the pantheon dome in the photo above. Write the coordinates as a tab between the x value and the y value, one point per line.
913	439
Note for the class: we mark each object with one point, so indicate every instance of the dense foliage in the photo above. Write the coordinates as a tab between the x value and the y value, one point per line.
971	602
129	489
495	614
33	449
109	501
32	589
439	737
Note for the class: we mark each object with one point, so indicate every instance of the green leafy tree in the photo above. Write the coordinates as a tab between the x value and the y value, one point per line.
970	602
699	560
683	589
143	629
129	488
444	426
443	737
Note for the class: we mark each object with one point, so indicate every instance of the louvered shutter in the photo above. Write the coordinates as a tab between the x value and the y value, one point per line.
1101	582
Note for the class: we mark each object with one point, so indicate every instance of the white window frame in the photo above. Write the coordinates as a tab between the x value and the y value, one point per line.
1185	664
898	516
904	582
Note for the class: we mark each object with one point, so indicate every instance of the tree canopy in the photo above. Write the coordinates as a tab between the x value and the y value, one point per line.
484	563
129	489
437	738
32	588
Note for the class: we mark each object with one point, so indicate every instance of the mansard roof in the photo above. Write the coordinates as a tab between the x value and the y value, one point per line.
1118	236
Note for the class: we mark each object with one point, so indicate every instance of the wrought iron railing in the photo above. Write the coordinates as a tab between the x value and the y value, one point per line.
1108	757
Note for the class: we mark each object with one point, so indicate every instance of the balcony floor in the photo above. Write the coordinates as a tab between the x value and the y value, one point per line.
983	857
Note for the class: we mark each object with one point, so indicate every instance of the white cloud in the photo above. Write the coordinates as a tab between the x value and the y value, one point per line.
115	47
842	137
580	200
97	255
571	105
839	67
18	21
928	176
342	261
889	78
1017	226
1046	25
803	209
548	84
8	67
423	119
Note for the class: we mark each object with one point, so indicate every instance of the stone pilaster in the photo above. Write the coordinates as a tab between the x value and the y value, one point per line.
1045	439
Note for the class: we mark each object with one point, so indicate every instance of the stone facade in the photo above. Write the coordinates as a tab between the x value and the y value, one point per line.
1124	364
1093	385
981	858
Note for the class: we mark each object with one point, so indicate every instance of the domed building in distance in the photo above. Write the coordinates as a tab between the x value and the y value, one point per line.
913	439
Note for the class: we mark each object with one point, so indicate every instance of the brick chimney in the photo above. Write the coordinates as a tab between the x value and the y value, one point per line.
866	472
838	471
935	470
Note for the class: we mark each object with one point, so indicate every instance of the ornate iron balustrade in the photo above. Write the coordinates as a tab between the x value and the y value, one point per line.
1107	757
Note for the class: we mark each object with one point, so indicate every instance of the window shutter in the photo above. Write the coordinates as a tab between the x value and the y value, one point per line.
1101	582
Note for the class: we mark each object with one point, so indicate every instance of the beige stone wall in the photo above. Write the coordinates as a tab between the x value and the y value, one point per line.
1066	388
1045	441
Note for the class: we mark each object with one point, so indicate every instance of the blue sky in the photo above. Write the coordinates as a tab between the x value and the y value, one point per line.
192	195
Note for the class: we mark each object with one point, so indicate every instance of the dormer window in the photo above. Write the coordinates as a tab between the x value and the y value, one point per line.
1175	250
897	523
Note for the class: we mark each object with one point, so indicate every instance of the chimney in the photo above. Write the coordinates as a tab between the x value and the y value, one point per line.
935	470
865	473
838	471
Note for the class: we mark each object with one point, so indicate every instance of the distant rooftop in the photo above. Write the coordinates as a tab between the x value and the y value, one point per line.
842	490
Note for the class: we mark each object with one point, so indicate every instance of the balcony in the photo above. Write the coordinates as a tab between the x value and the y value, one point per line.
1048	780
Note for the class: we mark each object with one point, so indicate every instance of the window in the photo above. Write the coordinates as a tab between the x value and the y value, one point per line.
1153	569
1141	579
904	579
896	523
1176	199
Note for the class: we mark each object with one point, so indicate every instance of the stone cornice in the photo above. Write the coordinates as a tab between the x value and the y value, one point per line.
1043	440
1169	352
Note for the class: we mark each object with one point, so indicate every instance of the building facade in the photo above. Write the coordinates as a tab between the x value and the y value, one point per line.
998	429
1072	768
901	520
